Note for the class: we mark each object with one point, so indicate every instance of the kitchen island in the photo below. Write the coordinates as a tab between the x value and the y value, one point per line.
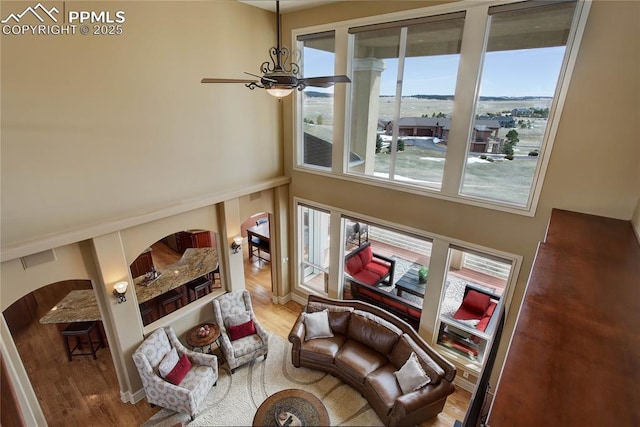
195	262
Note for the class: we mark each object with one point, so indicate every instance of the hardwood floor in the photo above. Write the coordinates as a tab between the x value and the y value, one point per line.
85	391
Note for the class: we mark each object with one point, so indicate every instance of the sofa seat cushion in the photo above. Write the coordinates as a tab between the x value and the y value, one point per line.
246	345
377	268
322	349
358	360
367	277
383	386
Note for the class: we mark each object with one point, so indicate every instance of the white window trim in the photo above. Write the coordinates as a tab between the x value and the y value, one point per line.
451	186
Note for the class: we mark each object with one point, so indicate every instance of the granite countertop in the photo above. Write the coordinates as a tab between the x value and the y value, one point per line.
77	306
194	263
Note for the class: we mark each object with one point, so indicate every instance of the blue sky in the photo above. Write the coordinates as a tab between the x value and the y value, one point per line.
530	72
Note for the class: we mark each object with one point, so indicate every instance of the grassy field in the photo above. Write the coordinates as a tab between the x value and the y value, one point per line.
504	181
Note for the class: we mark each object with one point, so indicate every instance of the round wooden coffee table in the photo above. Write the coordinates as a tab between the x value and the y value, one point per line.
302	406
196	341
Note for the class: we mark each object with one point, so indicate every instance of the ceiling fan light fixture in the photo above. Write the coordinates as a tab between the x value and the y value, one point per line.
279	91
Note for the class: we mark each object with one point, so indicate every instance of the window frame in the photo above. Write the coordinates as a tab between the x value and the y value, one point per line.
438	263
468	80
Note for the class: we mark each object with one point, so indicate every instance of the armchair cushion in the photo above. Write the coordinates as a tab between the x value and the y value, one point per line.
169	362
237	319
242	330
179	371
473	306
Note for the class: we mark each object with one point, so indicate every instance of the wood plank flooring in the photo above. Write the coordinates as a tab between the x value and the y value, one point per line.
85	392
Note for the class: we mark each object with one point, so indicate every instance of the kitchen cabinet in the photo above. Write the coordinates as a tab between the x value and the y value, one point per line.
142	265
193	239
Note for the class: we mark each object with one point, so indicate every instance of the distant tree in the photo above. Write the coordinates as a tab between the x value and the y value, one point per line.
319	119
511	141
400	145
378	144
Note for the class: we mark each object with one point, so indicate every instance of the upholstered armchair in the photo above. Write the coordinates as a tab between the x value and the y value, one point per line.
188	394
242	338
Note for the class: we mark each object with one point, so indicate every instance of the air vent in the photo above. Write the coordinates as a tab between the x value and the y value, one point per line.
38	258
255	196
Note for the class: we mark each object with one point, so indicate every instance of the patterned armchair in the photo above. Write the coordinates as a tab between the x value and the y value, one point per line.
187	396
242	350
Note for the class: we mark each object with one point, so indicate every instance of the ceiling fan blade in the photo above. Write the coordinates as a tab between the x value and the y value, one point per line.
262	77
209	80
327	81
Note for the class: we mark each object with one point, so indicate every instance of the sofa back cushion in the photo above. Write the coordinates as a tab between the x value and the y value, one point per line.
338	315
403	349
373	332
366	255
353	265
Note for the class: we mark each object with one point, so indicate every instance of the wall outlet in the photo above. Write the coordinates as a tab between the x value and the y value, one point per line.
465	374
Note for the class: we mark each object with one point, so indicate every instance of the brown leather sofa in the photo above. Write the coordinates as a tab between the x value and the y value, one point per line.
367	347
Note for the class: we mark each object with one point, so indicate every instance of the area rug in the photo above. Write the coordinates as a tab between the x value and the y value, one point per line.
235	400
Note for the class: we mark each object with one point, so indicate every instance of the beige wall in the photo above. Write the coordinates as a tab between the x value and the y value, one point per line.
594	167
109	143
96	128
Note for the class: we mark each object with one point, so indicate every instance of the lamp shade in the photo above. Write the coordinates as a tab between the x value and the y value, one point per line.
280	92
237	240
121	287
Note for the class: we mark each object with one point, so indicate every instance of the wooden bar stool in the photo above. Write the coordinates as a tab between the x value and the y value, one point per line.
201	284
172	297
79	330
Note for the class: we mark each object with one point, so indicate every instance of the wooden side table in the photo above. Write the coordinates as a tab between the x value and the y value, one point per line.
196	341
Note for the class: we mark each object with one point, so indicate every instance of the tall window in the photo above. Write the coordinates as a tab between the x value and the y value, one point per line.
459	105
318	52
522	62
314	241
404	78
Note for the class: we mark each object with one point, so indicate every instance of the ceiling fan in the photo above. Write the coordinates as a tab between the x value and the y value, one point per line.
281	76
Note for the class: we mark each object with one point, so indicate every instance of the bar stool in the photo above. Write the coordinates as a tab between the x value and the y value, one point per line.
79	330
201	284
145	313
172	297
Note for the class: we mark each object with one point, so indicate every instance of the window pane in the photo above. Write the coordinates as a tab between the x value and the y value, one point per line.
471	297
427	55
398	268
520	72
317	103
314	238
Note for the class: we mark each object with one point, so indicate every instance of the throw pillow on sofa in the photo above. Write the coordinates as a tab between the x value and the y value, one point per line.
411	376
317	325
